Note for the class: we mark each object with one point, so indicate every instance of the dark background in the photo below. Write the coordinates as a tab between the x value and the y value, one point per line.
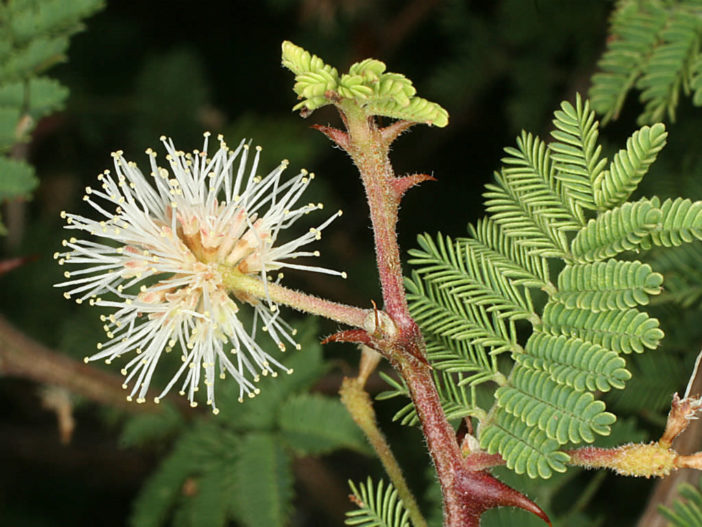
142	69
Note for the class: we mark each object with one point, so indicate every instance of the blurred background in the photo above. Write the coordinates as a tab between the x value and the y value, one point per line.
142	69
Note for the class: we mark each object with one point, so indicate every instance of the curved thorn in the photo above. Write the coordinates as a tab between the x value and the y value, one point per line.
339	137
483	491
402	184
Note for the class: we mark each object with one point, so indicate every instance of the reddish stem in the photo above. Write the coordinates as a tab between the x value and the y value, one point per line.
467	493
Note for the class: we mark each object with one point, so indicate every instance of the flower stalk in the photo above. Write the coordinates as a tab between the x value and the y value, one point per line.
241	284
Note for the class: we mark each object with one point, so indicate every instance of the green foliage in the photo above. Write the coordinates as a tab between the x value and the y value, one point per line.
616	230
682	223
575	152
238	466
263	482
305	425
654	45
604	286
575	362
614	186
625	331
682	267
471	296
367	83
379	507
687	510
18	178
34	35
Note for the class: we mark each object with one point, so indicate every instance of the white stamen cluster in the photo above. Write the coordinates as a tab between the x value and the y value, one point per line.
165	246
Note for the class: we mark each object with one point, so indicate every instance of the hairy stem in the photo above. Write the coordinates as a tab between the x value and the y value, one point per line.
369	152
369	148
441	440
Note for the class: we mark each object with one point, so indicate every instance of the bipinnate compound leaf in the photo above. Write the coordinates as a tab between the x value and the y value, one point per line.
263	482
559	201
313	424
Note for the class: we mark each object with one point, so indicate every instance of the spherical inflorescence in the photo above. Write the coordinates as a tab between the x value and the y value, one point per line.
166	242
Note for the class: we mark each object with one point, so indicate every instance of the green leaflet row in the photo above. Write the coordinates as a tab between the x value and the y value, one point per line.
474	297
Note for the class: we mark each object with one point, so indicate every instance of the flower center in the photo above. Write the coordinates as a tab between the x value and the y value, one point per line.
233	241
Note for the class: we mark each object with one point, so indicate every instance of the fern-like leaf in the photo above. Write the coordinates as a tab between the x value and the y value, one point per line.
668	69
467	294
488	241
564	413
606	286
452	266
378	506
681	223
441	314
635	30
575	362
621	229
614	186
622	331
575	152
525	449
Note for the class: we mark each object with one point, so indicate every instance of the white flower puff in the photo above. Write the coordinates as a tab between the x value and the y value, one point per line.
165	246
